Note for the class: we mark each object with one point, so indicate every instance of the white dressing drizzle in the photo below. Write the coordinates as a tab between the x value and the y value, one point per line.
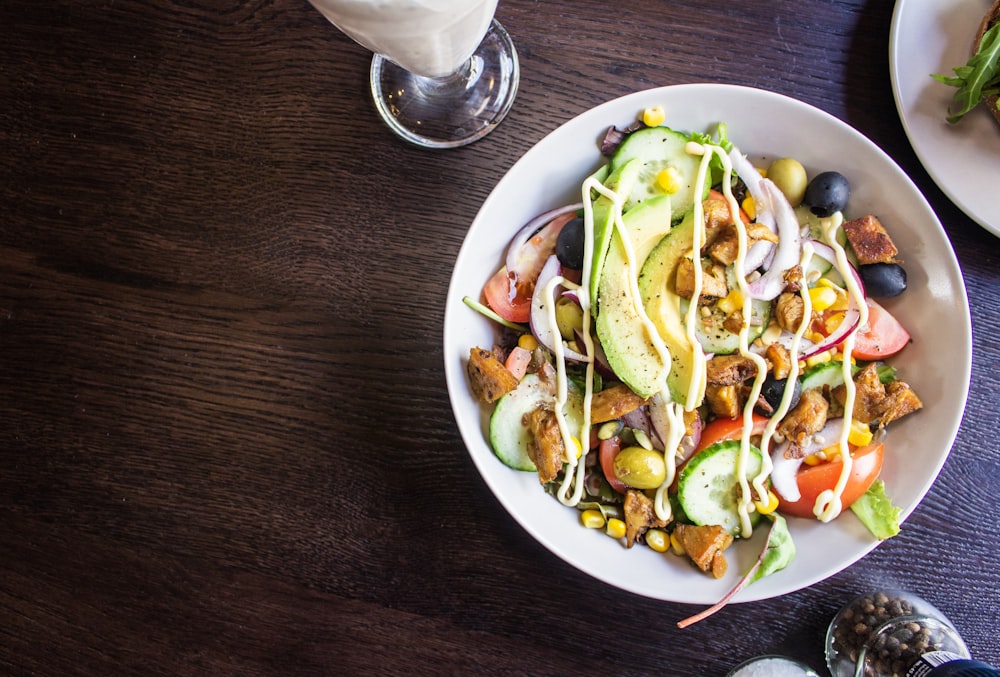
675	427
746	497
699	372
793	370
828	504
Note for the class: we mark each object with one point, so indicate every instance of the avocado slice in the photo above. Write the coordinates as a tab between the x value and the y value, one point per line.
626	341
663	306
619	181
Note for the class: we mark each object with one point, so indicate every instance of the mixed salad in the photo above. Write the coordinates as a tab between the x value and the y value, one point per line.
695	350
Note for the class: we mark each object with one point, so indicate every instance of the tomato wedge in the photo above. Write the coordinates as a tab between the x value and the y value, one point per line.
511	307
722	429
813	480
608	450
885	336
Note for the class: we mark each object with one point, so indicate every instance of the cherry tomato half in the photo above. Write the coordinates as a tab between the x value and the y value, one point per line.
498	297
815	479
607	452
722	429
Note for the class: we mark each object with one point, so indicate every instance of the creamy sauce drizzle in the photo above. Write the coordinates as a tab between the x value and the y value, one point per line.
828	504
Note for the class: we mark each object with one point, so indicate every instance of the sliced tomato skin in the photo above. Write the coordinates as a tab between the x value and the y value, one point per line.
723	429
498	297
815	479
884	337
608	451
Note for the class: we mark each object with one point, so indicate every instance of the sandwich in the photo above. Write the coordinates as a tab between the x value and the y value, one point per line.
978	81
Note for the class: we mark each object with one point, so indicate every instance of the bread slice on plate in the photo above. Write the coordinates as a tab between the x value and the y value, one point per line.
992	17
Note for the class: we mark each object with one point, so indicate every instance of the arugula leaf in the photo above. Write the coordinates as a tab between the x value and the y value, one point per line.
978	78
876	511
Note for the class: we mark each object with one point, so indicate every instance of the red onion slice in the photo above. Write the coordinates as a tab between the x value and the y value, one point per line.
789	247
544	332
759	251
784	472
521	260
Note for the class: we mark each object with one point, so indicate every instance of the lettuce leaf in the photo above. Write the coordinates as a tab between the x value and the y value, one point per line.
876	511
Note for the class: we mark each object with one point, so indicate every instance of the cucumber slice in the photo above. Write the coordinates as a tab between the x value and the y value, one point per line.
708	488
823	374
509	437
716	339
658	148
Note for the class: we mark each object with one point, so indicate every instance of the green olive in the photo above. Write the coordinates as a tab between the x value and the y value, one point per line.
789	176
569	317
640	468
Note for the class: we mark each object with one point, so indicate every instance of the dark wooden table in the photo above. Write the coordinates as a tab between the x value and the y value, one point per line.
225	439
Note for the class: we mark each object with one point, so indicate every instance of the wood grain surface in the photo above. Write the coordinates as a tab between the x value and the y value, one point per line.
225	438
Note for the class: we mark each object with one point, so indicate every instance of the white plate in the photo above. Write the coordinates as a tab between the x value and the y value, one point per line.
934	309
935	36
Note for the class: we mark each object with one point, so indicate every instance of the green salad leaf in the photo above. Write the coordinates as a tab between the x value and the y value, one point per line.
978	78
876	511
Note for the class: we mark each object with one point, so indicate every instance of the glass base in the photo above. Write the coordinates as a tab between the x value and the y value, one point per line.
453	110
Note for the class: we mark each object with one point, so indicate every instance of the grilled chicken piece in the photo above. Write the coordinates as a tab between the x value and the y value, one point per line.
726	245
488	377
870	240
793	279
713	282
705	545
639	516
613	403
729	370
779	359
723	401
900	400
876	402
788	311
869	393
807	418
546	447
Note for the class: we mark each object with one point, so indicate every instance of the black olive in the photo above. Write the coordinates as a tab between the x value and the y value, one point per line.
883	280
827	193
774	389
569	244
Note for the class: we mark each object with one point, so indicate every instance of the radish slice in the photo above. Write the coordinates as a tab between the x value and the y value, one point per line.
784	473
521	260
788	250
545	333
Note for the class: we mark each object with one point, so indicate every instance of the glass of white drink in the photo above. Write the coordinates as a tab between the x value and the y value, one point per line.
444	73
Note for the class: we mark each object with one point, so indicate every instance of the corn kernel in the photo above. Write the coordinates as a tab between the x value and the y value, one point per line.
819	358
676	546
669	180
731	302
658	540
822	298
831	453
575	447
749	207
833	321
653	116
762	171
616	528
814	459
527	341
592	519
829	284
770	506
860	434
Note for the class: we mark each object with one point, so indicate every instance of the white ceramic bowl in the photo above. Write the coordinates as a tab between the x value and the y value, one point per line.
934	309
